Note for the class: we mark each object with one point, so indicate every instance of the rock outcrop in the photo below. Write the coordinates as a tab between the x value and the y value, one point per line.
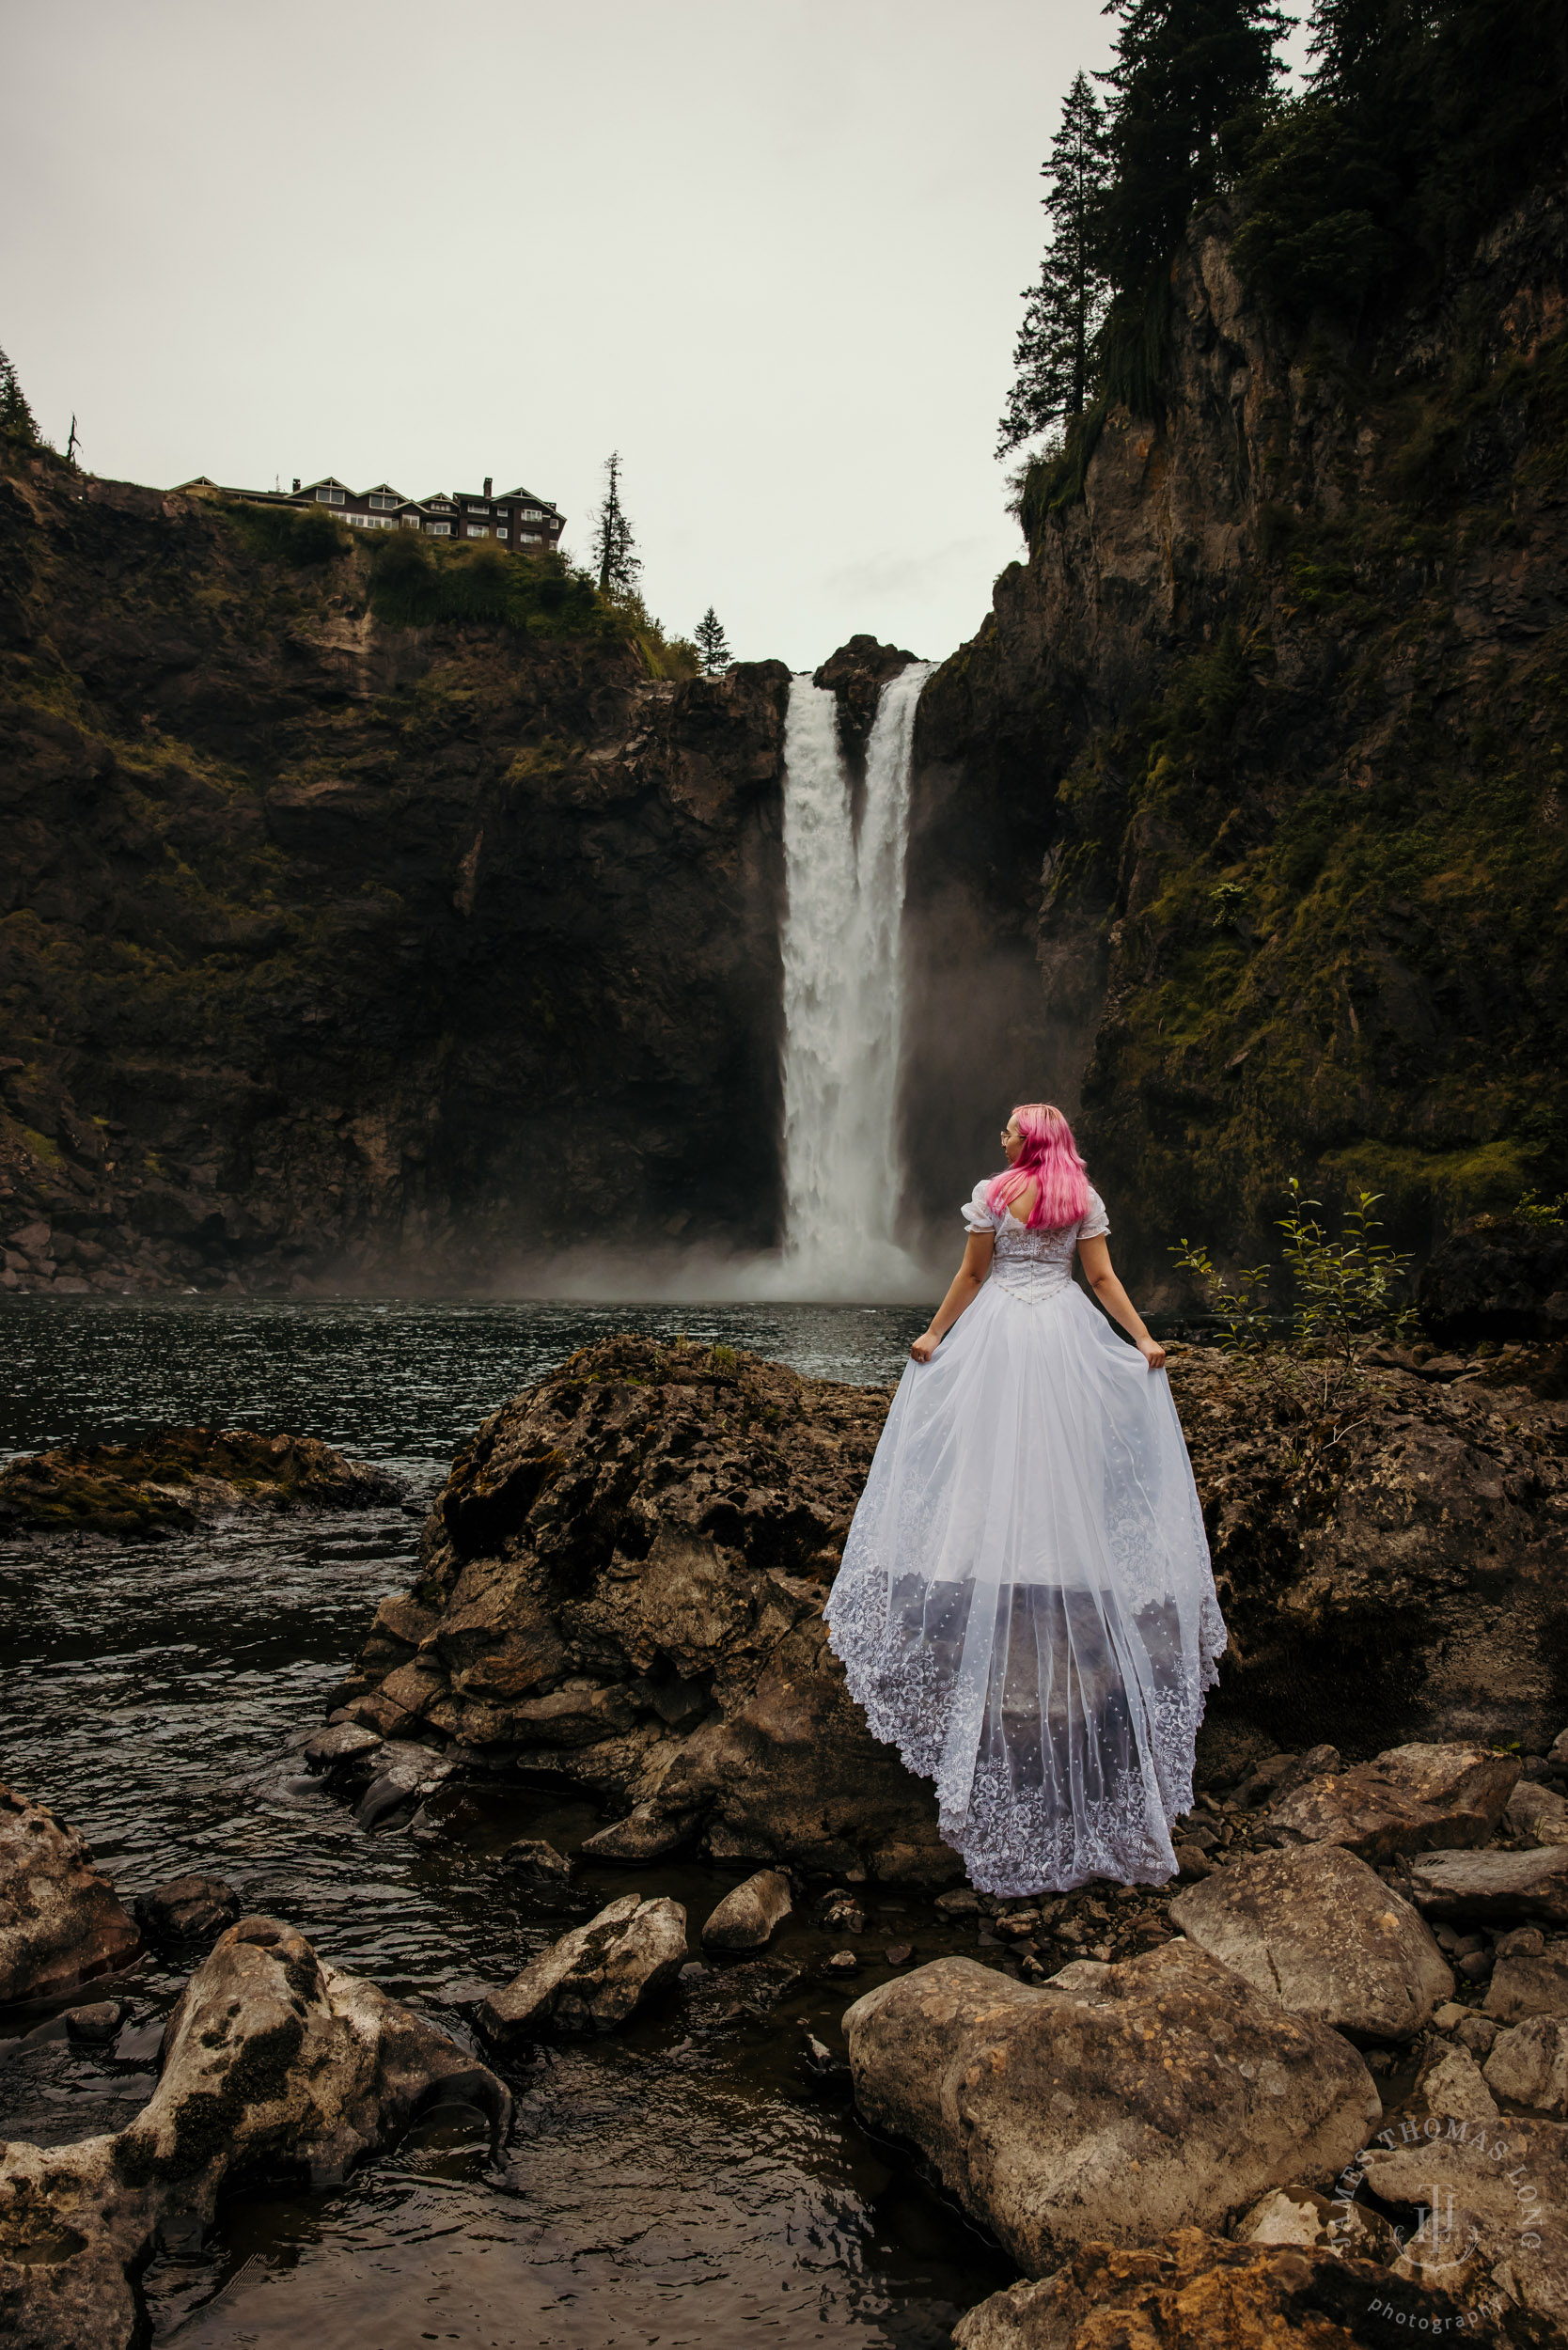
1245	801
60	1923
168	1483
276	2068
621	1583
856	674
746	1919
1112	2101
426	923
187	1913
1497	1278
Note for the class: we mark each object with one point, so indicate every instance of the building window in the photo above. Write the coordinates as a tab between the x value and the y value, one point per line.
475	510
529	538
369	522
500	530
383	506
409	522
476	531
329	498
439	530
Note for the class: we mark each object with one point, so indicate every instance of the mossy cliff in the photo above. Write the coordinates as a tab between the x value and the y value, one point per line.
333	947
1262	757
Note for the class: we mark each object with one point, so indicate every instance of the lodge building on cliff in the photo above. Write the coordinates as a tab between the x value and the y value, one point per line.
523	523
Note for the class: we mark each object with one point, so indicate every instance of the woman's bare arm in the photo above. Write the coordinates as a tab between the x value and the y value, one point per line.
965	1288
1094	1256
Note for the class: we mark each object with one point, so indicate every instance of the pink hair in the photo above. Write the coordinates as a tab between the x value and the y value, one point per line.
1050	1161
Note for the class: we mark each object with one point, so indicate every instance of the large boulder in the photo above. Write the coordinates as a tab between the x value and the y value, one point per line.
60	1923
275	2067
622	1583
593	1977
1496	1278
1195	2291
168	1483
1320	1933
1115	2101
1493	1888
1528	2065
856	675
1405	1800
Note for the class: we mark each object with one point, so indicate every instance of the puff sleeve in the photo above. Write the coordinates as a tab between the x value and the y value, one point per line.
978	1217
1096	1223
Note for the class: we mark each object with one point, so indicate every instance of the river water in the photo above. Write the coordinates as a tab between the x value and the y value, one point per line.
680	2184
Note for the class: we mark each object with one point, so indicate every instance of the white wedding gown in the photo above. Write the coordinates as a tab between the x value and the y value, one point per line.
1025	1607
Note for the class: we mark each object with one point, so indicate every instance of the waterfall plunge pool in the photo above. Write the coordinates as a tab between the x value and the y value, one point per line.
662	2185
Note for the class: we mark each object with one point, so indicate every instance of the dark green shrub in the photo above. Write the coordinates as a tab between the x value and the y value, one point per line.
301	536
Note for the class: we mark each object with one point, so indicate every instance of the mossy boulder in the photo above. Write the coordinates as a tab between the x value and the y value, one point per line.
171	1481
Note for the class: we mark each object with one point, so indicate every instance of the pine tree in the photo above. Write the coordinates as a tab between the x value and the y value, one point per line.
1185	71
16	418
713	647
1052	356
613	547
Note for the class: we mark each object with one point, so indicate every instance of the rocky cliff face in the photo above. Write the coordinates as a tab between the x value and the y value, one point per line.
330	948
1260	757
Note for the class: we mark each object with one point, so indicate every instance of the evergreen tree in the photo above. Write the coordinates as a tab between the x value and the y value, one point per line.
16	418
1054	355
613	547
1185	72
713	647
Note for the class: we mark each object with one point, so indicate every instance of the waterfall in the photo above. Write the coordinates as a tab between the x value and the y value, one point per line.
844	1000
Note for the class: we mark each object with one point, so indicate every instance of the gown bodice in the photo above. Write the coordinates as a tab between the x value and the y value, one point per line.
1034	1266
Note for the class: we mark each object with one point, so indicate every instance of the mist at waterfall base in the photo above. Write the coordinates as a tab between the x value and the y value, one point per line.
844	970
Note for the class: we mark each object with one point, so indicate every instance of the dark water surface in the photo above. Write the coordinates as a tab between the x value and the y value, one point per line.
678	2184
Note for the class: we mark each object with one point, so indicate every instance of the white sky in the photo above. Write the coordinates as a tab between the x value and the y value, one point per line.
773	252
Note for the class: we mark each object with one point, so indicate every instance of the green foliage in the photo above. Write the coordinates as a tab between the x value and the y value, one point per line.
1553	1213
1184	71
613	547
416	585
1055	479
303	537
16	418
712	645
1065	308
1345	1287
1315	199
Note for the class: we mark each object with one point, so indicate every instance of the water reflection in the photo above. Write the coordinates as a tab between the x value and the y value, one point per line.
672	2185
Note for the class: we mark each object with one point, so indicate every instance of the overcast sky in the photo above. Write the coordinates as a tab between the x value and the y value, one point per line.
772	252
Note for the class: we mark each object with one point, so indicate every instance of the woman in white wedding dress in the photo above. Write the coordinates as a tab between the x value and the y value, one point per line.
1025	1607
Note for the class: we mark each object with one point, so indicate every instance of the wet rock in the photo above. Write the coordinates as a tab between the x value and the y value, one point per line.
1199	2292
856	675
406	1772
1408	1799
95	2026
274	2064
595	1977
188	1912
962	1903
899	1953
340	1747
532	1857
680	1672
844	1963
1317	1930
60	1923
1528	2065
745	1918
1489	2181
1537	1816
174	1479
1528	1982
1487	1887
1157	2091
